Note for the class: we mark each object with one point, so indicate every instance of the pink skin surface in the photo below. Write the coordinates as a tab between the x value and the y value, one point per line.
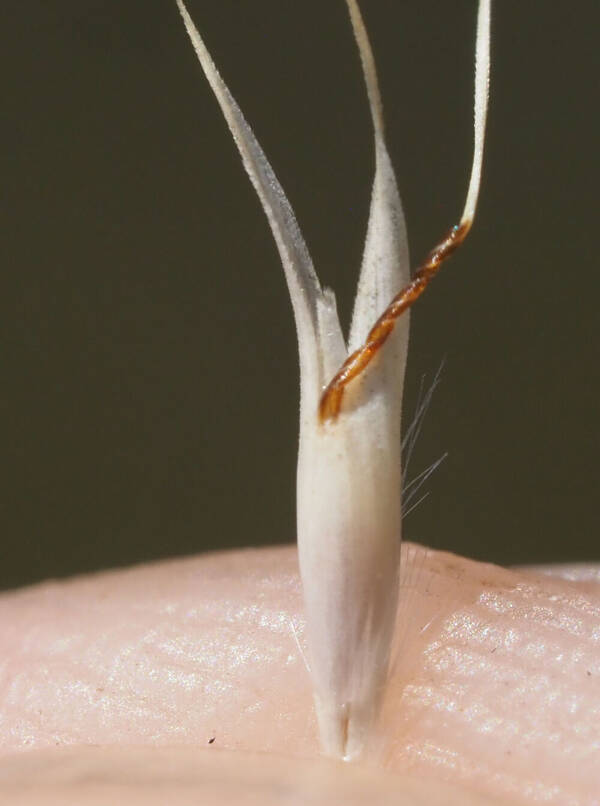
186	681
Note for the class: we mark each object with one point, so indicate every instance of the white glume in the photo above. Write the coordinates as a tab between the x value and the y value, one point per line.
349	510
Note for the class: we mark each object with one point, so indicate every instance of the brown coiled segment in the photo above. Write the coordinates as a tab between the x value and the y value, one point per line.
331	400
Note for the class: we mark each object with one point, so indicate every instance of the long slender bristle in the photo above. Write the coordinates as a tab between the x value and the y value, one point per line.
482	82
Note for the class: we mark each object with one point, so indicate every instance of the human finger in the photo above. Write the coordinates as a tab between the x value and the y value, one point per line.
495	683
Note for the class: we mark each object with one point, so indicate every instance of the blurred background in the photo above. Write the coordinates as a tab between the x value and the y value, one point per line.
148	356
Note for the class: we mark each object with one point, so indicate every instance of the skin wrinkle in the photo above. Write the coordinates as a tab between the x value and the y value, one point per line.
495	684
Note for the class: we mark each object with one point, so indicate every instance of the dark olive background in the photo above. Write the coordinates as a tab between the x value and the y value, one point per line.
149	372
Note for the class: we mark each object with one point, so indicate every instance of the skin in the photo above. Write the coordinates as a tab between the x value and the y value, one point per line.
114	685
